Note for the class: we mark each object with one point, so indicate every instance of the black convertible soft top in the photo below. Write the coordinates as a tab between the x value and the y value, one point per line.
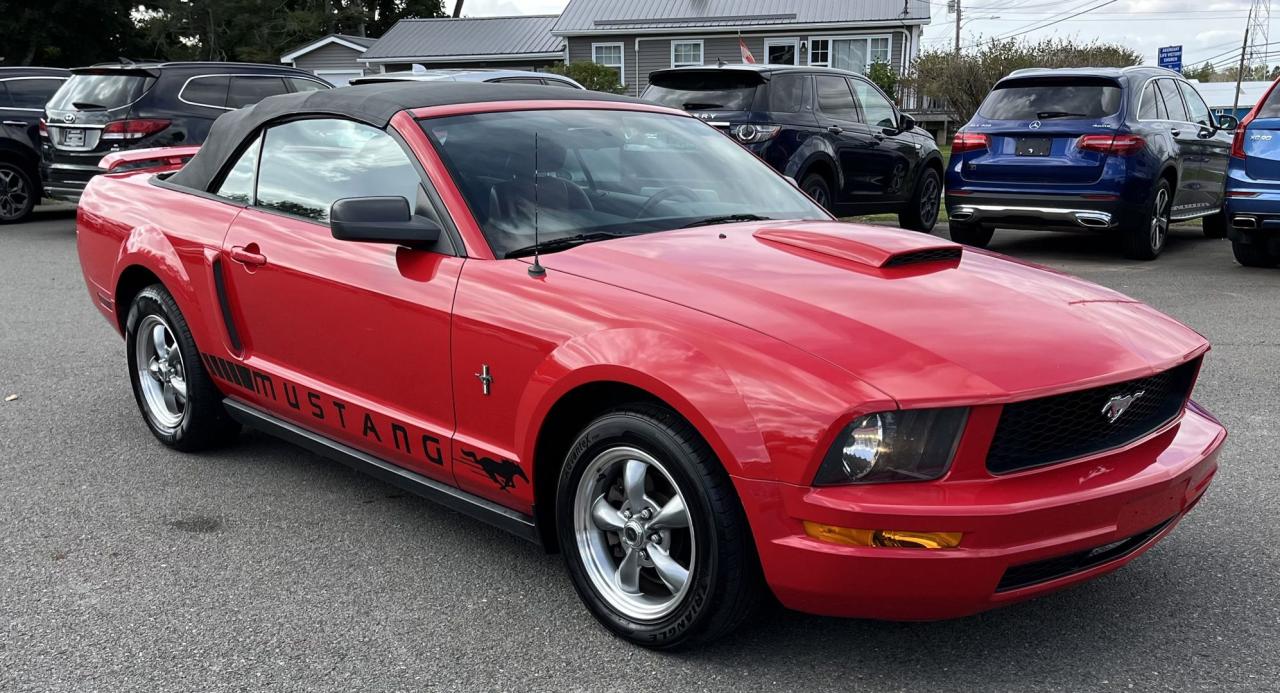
373	104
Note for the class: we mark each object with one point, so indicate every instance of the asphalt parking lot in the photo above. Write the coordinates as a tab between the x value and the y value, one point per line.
125	566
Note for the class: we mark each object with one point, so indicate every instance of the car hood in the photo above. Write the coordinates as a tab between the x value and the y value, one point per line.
922	319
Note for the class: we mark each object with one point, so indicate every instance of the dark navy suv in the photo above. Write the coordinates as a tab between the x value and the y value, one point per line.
833	131
1125	151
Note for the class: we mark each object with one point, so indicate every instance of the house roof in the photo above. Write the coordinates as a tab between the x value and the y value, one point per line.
467	38
358	44
629	16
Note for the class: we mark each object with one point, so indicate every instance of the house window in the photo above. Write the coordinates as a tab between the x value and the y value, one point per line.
686	53
609	55
854	54
782	51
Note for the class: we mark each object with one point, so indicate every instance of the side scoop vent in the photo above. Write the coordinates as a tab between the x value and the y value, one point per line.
917	257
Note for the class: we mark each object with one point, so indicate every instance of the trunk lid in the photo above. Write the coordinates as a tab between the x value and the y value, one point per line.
1262	149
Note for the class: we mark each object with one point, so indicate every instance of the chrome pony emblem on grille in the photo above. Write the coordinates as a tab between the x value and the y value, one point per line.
1118	405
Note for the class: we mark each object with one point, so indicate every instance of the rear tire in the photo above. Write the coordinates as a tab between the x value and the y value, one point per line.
1145	235
815	185
17	192
976	235
1215	225
1254	254
175	394
921	211
656	577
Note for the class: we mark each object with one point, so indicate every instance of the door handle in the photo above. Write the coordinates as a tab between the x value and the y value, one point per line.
879	136
1175	132
249	257
835	129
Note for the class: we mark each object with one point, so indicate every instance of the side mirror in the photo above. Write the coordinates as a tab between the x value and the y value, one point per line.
906	123
1228	122
381	220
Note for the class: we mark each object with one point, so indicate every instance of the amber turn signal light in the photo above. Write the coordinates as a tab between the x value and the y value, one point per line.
882	537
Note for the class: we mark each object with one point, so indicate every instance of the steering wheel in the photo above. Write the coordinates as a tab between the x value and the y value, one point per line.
667	193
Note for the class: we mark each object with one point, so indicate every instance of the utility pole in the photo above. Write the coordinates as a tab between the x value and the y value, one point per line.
1235	105
957	6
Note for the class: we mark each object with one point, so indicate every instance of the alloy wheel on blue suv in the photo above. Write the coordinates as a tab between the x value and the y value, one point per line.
1122	151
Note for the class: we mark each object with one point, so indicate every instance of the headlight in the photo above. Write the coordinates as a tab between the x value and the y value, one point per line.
913	445
750	134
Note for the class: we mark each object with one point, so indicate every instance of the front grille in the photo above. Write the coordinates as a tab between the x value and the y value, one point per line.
1051	569
1063	427
918	256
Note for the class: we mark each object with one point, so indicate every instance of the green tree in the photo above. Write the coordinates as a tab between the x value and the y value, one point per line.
590	75
963	80
1204	73
67	33
884	76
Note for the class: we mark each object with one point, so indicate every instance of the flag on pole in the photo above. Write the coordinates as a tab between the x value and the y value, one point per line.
747	57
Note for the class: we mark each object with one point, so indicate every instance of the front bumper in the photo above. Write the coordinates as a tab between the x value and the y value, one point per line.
1009	210
1038	523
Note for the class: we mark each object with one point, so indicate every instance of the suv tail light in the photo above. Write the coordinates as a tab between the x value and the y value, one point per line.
133	128
969	141
1237	143
1122	145
748	133
44	129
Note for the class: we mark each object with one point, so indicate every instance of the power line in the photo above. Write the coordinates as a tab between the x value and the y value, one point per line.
1058	21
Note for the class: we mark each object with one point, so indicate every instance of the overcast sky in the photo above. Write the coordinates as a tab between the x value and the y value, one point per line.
1205	28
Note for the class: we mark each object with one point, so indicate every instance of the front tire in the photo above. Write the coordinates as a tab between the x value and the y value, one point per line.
921	211
653	535
976	235
1254	254
178	400
17	193
1145	236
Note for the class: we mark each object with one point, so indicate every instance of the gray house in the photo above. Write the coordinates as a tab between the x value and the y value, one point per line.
517	43
333	58
637	38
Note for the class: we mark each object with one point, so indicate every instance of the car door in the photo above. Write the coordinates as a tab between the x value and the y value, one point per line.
1214	149
353	338
22	101
1189	149
849	137
897	153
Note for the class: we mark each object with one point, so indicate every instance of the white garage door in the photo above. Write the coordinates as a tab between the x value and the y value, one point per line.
338	78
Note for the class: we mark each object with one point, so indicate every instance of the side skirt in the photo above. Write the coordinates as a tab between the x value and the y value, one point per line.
455	499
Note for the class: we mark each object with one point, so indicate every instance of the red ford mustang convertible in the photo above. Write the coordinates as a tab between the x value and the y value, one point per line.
607	328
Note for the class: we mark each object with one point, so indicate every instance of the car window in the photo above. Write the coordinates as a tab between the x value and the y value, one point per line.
94	91
31	94
237	186
307	165
876	110
1061	98
206	90
834	97
552	82
520	80
1152	106
300	84
602	172
727	90
1172	101
246	91
790	93
1196	107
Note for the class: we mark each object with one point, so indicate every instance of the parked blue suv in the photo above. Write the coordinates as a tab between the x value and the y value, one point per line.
1124	151
1253	185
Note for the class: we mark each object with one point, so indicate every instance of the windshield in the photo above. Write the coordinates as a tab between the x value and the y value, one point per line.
1043	99
92	92
605	173
723	90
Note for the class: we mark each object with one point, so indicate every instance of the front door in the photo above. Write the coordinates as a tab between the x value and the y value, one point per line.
1214	151
894	160
351	339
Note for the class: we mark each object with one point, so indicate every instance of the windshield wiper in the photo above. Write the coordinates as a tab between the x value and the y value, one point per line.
88	106
726	219
562	243
1045	115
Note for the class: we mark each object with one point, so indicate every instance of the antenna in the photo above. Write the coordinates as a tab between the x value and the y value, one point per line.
536	269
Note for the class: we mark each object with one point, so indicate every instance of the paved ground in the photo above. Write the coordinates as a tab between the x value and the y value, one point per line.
124	566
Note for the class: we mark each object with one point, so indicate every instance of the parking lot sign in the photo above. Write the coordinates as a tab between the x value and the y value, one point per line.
1171	57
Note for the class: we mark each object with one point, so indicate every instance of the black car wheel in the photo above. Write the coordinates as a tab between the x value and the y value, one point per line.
921	211
1145	235
815	185
653	535
17	193
1254	254
178	400
1215	225
976	235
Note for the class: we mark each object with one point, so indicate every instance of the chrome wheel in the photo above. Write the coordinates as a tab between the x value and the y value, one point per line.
633	533
15	193
1160	219
162	376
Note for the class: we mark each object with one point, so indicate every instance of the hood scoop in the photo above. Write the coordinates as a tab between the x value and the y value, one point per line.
874	246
